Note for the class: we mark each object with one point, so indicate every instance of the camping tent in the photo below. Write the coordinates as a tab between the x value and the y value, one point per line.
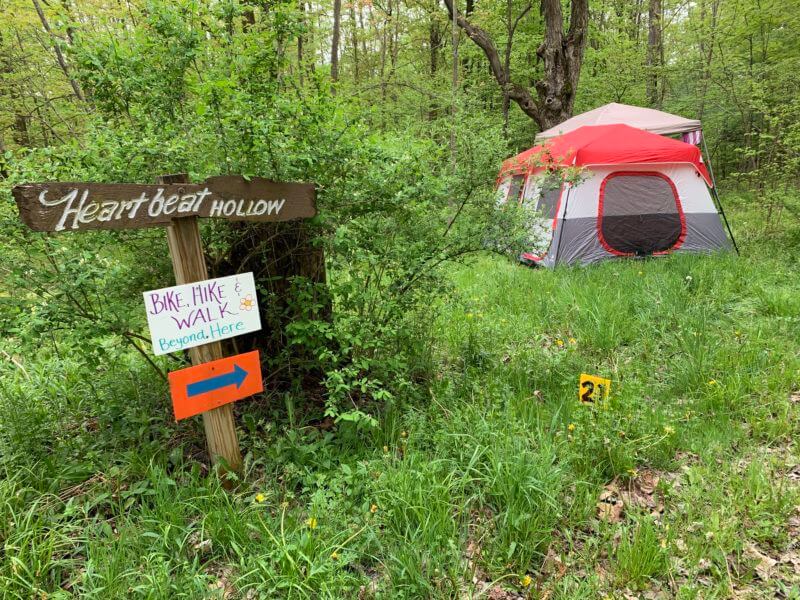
636	194
648	119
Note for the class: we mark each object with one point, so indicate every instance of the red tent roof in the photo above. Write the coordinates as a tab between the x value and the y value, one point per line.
606	145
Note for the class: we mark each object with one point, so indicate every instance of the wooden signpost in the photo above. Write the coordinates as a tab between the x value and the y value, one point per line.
173	201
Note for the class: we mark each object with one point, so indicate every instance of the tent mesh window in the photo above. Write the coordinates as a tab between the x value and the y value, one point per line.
640	214
548	198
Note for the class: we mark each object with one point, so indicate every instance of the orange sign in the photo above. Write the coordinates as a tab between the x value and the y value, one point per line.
200	388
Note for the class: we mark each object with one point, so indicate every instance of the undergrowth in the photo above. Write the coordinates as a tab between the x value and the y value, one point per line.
491	482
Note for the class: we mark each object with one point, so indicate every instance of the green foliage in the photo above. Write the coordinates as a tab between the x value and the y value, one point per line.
497	469
639	556
440	450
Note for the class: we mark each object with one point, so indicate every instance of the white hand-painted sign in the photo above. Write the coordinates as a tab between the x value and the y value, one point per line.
194	314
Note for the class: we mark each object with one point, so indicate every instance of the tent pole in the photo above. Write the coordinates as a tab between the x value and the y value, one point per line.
716	195
724	218
560	227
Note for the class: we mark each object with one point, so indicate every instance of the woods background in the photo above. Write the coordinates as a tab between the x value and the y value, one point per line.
158	68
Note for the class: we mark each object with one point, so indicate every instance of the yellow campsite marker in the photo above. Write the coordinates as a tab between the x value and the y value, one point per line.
593	389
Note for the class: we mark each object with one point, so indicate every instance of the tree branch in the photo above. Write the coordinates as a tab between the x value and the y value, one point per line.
516	92
59	56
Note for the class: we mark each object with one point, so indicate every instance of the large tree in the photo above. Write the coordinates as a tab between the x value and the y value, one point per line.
561	54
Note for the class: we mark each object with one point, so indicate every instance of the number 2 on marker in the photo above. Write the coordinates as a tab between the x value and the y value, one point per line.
586	396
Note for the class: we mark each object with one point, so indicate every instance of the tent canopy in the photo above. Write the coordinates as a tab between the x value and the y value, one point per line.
648	119
606	145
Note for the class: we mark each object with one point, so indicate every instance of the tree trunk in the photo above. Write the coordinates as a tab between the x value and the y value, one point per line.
277	254
708	55
467	62
337	15
3	169
435	36
654	52
396	35
561	54
435	41
511	27
300	41
363	36
354	41
59	56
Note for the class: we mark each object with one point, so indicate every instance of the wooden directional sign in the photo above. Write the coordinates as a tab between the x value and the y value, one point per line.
84	206
173	201
209	385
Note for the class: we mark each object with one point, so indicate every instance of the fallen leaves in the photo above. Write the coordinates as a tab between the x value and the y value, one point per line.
639	492
223	584
765	565
610	506
198	545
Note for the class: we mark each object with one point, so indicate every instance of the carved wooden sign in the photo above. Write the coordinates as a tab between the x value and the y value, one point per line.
83	206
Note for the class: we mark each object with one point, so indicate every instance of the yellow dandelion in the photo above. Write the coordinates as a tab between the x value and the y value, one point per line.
633	472
373	509
712	382
573	341
669	430
260	498
559	342
571	427
311	522
334	555
525	581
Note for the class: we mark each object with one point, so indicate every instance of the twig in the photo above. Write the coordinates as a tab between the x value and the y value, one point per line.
149	360
17	363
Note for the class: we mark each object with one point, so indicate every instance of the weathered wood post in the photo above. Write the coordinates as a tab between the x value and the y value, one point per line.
189	264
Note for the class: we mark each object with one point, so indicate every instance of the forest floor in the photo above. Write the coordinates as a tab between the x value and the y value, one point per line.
684	484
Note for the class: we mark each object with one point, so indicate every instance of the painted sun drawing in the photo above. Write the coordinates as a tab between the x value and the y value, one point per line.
247	303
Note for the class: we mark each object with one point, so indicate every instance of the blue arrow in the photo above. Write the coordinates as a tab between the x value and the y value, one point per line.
235	377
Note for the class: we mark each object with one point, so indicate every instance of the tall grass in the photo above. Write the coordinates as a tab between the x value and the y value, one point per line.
103	496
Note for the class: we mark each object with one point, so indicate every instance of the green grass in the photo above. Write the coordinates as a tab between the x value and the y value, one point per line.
494	478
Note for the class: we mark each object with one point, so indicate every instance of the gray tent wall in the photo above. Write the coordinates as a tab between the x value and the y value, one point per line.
627	210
